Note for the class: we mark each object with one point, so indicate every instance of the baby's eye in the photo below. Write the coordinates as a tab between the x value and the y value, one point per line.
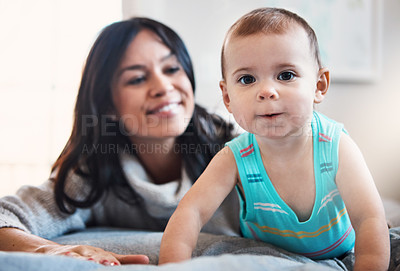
172	70
137	80
286	76
247	79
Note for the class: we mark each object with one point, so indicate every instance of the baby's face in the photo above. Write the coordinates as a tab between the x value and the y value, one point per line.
270	82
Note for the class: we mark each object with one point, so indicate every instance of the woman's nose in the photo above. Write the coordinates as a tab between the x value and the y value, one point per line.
161	84
267	92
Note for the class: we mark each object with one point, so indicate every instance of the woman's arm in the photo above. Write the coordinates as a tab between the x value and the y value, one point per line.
33	208
17	240
24	220
365	208
13	239
197	207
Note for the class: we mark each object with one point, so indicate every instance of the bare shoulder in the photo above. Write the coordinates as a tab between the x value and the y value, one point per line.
353	174
349	152
225	155
223	161
356	184
217	181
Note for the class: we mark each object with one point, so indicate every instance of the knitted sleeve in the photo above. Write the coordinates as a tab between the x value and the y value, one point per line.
34	210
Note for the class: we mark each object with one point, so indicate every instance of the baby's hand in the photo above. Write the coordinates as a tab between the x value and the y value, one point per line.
94	254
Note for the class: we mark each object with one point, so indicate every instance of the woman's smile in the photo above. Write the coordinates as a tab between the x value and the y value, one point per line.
167	109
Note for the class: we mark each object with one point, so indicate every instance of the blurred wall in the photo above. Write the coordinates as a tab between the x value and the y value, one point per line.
371	112
43	45
369	109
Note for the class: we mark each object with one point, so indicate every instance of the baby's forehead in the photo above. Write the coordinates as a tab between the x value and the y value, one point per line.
294	30
295	35
291	47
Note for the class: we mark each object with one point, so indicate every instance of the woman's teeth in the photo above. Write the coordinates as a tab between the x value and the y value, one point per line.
166	108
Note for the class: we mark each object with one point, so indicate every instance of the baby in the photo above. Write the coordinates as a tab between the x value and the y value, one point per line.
303	183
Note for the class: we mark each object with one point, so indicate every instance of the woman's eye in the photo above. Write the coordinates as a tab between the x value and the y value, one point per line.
247	79
172	70
286	76
137	80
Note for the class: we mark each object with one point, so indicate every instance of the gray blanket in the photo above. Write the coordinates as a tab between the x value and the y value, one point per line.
213	252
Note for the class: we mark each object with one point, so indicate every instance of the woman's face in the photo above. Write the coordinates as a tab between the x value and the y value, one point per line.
152	94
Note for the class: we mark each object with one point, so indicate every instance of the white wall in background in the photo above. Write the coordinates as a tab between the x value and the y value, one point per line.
43	45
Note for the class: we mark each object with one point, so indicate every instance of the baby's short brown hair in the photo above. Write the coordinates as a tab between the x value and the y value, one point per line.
267	21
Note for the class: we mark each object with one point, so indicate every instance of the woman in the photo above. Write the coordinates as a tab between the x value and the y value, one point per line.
137	145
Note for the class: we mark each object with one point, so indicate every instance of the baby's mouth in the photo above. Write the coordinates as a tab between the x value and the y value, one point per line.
272	115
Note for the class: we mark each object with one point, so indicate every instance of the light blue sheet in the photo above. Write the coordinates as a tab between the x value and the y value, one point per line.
213	252
17	261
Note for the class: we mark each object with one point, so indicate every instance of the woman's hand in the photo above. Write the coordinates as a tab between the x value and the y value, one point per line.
94	254
18	240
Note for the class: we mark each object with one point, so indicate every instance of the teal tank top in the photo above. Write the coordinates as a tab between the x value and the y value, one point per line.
265	216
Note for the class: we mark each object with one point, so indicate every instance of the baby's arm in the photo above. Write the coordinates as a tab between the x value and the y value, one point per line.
197	207
365	208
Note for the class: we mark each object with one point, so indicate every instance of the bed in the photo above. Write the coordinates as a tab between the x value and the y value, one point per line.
213	252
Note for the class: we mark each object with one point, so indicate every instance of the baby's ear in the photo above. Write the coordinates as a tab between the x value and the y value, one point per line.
225	95
322	85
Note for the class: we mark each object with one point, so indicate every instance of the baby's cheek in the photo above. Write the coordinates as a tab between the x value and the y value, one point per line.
243	122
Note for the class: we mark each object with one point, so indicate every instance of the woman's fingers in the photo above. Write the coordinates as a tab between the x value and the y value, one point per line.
94	254
90	253
132	259
73	255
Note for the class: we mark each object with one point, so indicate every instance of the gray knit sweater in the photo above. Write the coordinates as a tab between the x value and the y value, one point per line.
33	209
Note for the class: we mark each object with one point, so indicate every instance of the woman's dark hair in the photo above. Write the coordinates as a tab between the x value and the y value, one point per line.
203	138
